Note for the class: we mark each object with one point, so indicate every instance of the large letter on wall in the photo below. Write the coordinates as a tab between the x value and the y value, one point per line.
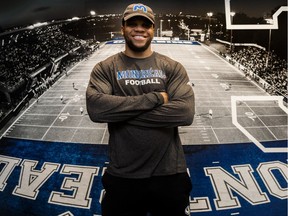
224	183
81	187
267	172
31	179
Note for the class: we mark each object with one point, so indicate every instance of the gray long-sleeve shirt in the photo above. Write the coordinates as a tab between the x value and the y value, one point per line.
125	93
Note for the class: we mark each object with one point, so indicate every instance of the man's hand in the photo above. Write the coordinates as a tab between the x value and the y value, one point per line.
165	96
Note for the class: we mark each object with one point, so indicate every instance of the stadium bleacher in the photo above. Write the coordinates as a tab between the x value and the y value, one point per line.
267	66
31	60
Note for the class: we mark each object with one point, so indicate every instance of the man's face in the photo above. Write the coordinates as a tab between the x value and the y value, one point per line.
138	33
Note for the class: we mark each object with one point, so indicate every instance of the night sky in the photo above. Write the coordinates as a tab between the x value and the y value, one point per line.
23	12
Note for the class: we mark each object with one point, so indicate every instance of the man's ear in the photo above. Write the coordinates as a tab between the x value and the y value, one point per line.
122	30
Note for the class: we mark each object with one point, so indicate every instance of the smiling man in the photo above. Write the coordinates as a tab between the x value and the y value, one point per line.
143	96
138	30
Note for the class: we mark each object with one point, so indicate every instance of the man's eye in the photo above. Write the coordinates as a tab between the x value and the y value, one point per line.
131	24
147	25
134	24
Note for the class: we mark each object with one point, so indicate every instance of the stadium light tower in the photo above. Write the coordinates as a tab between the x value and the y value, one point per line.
209	14
161	22
231	34
188	32
269	21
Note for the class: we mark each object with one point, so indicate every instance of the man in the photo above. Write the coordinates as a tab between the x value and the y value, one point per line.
143	96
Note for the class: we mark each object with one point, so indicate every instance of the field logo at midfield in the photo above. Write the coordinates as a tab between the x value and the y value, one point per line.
243	99
273	24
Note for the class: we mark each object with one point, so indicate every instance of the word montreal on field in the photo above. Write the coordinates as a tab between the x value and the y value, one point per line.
78	182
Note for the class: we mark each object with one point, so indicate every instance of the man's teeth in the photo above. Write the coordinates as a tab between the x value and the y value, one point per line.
138	37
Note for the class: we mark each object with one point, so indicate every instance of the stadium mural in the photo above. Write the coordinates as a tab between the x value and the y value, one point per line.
45	178
231	175
235	73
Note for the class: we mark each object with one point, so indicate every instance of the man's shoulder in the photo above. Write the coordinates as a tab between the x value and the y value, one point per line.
107	64
111	58
165	59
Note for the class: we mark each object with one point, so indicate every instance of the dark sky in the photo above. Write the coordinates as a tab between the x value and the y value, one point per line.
16	12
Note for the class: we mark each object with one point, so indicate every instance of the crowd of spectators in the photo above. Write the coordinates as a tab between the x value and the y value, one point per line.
25	52
265	65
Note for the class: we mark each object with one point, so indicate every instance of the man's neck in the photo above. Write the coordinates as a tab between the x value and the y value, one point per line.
134	54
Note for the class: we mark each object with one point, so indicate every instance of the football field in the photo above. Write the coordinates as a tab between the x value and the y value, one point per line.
52	156
216	82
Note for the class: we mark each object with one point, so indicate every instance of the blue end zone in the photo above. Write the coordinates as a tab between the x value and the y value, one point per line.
51	178
276	144
184	42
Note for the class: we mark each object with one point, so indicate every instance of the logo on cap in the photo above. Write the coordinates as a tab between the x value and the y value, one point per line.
138	10
140	7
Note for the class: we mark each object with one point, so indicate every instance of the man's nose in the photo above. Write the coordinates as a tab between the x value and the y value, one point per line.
139	28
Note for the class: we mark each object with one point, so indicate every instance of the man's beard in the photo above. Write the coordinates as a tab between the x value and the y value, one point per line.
135	48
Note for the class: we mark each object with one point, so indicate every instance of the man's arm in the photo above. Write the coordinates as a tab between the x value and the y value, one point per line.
102	106
180	108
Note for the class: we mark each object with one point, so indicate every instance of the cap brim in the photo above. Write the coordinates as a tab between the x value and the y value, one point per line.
141	15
